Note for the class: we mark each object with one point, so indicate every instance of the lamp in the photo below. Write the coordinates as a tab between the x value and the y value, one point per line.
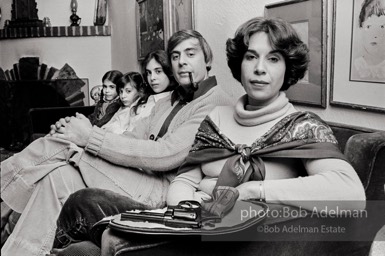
75	19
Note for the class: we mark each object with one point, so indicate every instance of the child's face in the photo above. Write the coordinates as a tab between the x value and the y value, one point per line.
374	35
157	79
128	94
95	95
109	90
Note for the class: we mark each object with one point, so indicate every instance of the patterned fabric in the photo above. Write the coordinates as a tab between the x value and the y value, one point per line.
299	135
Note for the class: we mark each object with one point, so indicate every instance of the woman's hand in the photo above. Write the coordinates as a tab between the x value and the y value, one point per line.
77	130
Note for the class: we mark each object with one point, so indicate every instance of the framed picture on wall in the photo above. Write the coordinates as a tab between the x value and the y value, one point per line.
358	57
308	18
150	17
156	20
181	15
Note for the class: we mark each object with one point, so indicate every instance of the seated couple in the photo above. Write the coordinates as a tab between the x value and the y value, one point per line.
262	146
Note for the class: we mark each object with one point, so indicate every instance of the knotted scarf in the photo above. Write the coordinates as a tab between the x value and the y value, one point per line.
301	135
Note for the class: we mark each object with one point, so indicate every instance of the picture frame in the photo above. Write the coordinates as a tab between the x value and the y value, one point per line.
182	15
309	18
157	20
151	31
345	89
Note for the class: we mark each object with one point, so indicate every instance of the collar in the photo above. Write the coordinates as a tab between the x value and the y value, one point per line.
247	116
188	93
160	95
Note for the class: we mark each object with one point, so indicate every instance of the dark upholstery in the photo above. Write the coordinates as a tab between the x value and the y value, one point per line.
366	152
42	118
365	149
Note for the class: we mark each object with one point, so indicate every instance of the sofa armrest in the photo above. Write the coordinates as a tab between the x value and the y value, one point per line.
366	152
42	118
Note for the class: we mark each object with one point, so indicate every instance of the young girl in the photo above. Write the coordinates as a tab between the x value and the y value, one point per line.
158	83
158	76
109	100
131	87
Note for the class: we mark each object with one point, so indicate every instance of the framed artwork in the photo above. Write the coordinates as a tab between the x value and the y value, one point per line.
308	18
367	60
181	15
150	26
358	57
158	19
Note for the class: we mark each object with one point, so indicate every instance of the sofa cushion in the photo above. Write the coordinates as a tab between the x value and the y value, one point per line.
366	153
343	132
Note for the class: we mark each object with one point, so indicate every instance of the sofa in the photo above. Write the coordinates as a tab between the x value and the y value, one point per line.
42	118
364	148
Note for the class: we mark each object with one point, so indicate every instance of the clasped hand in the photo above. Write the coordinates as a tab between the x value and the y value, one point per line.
76	129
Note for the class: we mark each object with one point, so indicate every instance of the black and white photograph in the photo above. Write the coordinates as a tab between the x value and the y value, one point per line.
192	127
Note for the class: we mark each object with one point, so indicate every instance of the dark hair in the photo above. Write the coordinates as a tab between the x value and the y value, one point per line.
159	56
136	81
282	37
113	76
183	35
369	8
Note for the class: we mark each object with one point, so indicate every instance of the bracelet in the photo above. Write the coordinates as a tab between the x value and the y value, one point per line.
261	192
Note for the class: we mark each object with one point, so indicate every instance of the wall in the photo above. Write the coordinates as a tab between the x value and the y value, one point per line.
217	20
123	40
89	56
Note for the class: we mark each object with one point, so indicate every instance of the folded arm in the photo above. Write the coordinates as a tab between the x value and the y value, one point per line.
327	180
183	187
164	154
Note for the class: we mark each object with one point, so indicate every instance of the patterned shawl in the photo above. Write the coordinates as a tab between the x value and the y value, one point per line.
301	135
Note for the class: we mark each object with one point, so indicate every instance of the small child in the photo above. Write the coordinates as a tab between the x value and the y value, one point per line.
109	100
131	87
139	96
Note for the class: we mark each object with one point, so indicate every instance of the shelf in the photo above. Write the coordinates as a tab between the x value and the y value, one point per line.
35	32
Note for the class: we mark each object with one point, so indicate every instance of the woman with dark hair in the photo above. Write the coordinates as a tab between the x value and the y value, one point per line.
263	148
109	100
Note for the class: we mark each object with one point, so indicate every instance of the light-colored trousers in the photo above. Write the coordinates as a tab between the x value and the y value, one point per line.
37	181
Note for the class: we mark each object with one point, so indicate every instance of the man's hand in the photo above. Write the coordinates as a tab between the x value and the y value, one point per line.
59	124
75	129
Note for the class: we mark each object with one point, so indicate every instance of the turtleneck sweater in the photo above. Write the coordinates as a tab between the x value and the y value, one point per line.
248	115
243	124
